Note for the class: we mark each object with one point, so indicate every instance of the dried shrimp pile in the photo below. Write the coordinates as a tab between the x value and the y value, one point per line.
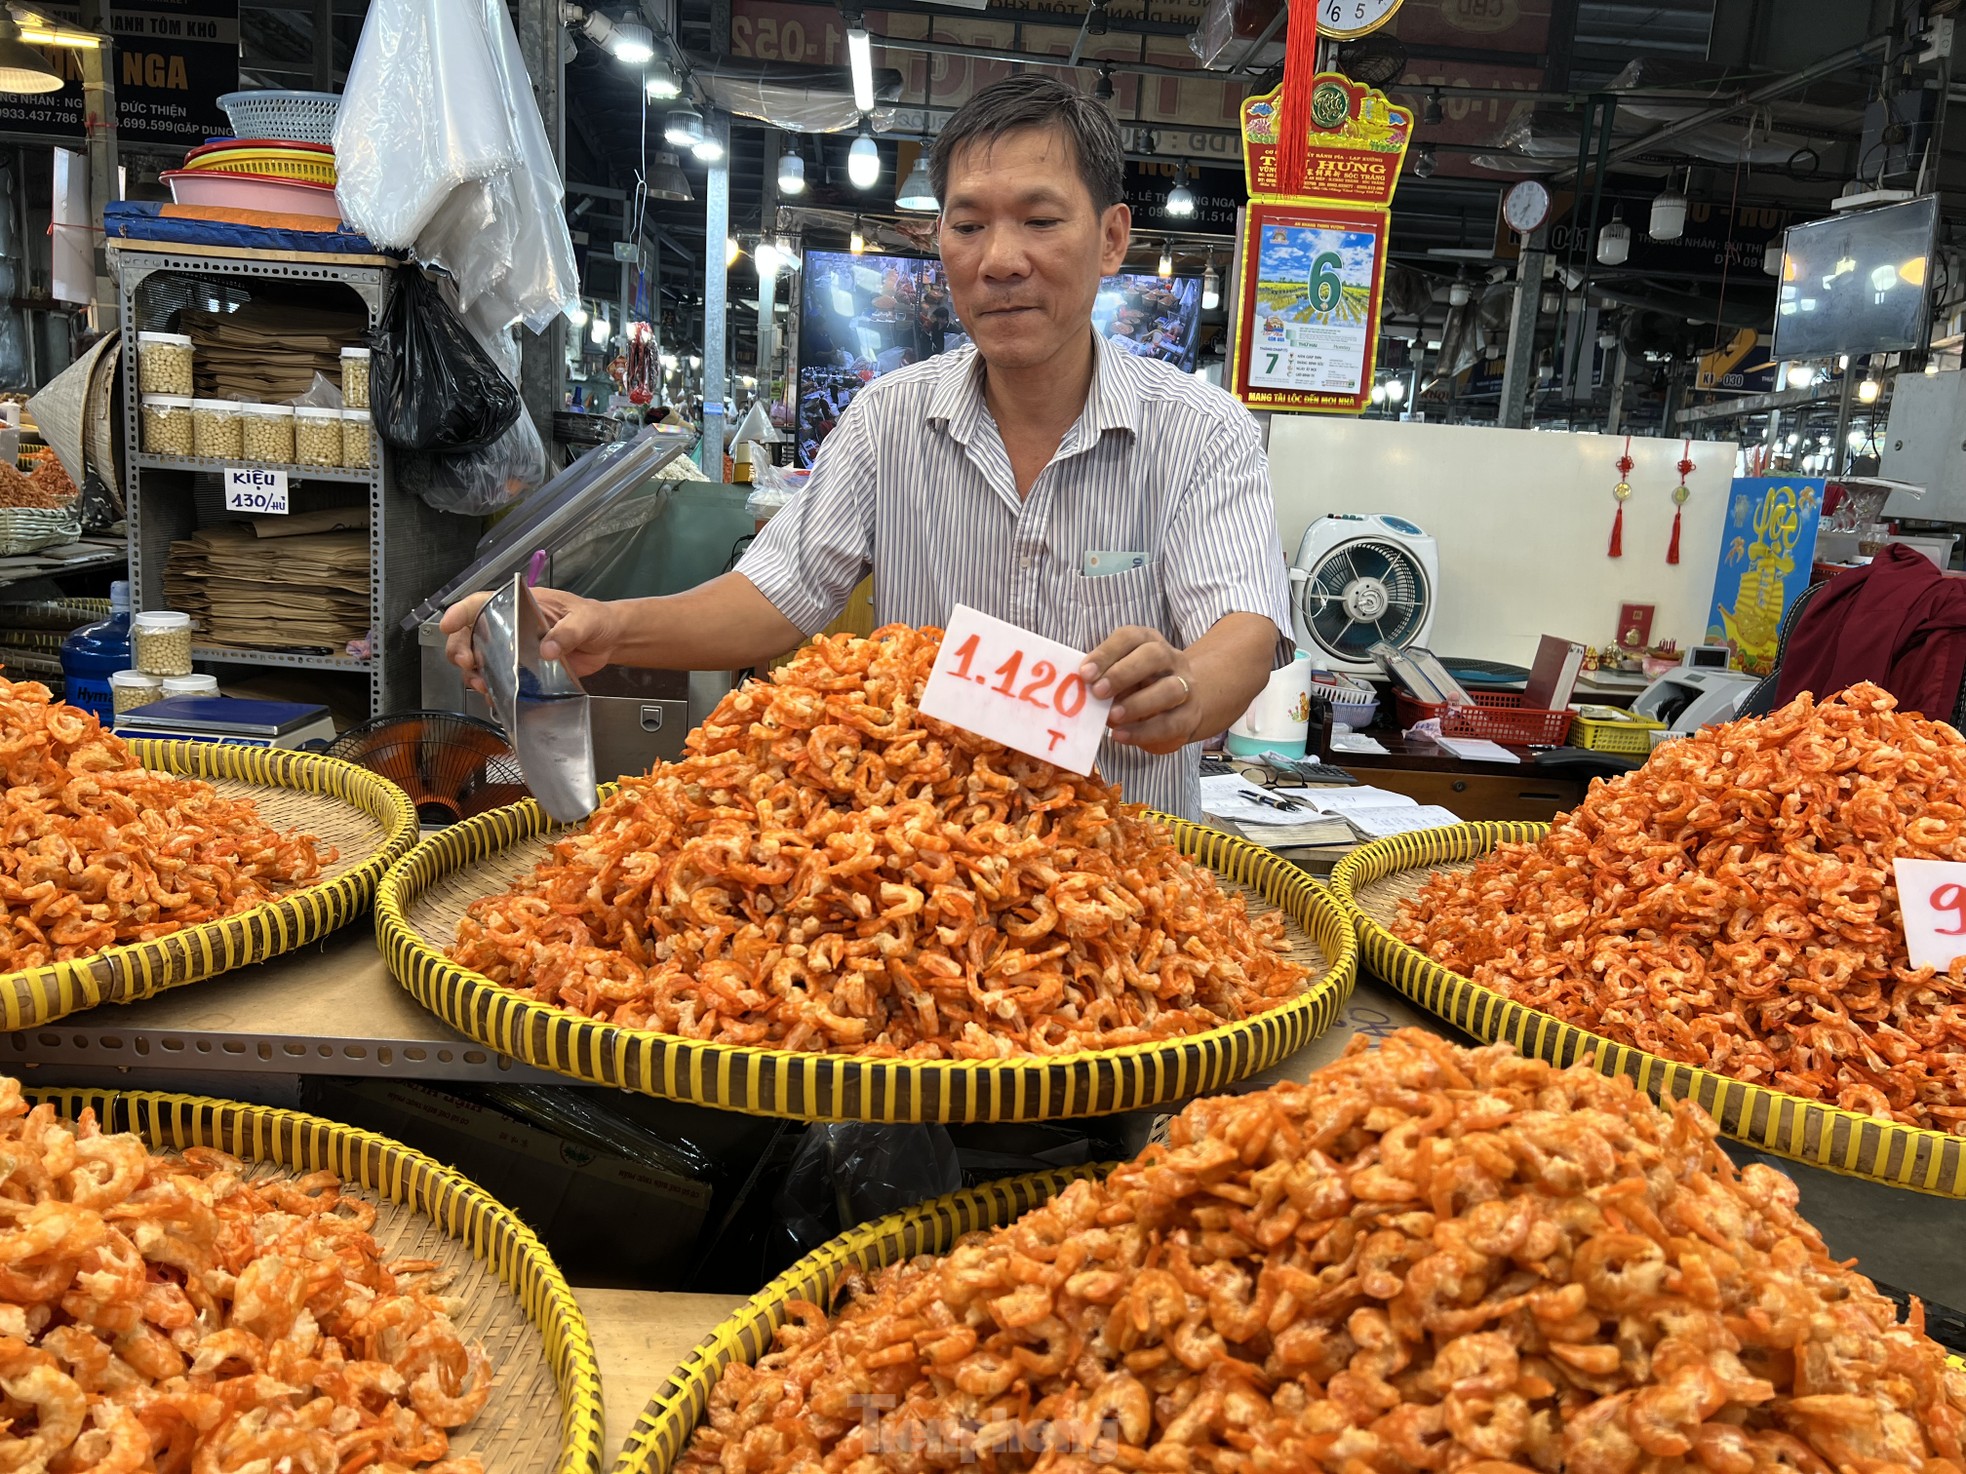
1424	1258
1732	905
96	851
165	1314
47	485
829	870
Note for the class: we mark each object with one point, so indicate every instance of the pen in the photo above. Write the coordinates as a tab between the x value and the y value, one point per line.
1289	806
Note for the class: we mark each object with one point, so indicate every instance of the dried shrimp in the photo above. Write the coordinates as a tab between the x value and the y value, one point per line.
1732	905
47	485
829	870
169	1315
1423	1258
95	850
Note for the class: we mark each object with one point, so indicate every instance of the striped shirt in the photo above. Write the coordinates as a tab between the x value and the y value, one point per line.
915	486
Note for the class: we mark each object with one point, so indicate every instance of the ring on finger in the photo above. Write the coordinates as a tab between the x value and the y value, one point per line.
1186	689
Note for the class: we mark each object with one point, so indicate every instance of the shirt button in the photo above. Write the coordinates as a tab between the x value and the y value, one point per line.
1024	563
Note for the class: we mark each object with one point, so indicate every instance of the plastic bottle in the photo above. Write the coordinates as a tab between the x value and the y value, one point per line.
95	652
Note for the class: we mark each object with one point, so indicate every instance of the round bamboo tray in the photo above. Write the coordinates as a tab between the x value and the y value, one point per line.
512	1297
1374	879
665	1426
423	897
366	817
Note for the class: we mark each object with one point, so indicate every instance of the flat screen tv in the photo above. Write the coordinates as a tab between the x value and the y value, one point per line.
1858	283
864	316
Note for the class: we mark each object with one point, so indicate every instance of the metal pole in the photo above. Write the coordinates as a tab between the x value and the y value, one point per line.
1519	373
99	127
542	356
1614	421
768	290
324	45
1845	404
716	200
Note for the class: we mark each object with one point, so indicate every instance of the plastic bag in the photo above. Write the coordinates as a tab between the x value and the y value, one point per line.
323	393
771	488
476	483
432	387
845	1175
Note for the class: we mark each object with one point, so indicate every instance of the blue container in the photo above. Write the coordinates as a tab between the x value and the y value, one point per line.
95	652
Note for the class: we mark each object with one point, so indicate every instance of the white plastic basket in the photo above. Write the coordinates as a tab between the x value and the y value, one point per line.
294	117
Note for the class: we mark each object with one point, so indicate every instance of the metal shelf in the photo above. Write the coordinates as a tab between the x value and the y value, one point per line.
220	654
212	466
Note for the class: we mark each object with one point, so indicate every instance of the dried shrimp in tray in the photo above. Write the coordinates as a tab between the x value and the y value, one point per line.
835	908
1722	924
1425	1257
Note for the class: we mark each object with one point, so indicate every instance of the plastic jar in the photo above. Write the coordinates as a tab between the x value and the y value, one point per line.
317	436
160	642
268	432
357	440
218	430
132	688
164	364
192	685
355	378
167	425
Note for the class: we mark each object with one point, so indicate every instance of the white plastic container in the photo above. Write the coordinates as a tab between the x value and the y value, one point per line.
191	685
160	642
133	688
218	430
357	440
354	378
164	364
167	425
317	436
269	433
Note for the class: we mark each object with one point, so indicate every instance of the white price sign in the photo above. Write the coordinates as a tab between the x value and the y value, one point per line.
1932	896
1017	688
255	489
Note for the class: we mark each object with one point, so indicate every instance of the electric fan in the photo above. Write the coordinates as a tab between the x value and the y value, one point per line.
1359	580
451	766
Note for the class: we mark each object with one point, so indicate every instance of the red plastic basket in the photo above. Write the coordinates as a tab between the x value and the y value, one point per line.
1498	716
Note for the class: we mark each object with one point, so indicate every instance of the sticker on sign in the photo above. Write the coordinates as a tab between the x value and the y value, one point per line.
1932	896
1017	688
256	489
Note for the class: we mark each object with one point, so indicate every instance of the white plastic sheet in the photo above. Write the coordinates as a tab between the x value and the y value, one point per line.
440	151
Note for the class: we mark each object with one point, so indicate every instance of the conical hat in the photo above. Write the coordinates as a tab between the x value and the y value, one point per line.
61	406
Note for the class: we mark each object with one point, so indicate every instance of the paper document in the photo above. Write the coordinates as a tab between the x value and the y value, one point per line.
1229	796
1477	750
1355	742
1378	823
1348	800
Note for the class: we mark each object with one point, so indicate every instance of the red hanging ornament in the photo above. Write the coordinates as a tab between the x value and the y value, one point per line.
1680	495
1293	117
1621	491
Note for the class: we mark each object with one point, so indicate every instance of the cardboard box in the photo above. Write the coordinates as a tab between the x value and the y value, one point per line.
606	1220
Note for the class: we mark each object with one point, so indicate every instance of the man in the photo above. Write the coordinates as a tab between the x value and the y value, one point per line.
989	476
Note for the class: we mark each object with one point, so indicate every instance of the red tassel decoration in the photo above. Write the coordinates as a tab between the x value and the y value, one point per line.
1618	533
1672	548
1621	491
1680	494
1294	96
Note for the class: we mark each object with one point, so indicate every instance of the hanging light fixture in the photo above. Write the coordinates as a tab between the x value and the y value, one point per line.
599	332
23	69
917	194
1095	19
1395	390
1432	114
1166	267
860	58
1771	259
1614	243
791	171
683	127
863	160
1181	199
707	149
857	242
767	259
667	180
1868	390
1211	286
732	250
1459	293
661	83
577	315
1102	90
1668	222
632	43
1424	162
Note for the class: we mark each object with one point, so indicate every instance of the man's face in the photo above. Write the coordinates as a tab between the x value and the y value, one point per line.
1024	248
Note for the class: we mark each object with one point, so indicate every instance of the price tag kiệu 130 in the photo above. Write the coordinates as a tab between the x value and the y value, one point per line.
1017	688
256	489
1932	896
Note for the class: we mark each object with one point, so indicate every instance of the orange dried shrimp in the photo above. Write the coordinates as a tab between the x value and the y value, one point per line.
829	870
1424	1258
1732	905
96	851
47	485
164	1314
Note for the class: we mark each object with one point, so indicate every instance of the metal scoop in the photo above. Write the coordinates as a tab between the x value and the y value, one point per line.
539	702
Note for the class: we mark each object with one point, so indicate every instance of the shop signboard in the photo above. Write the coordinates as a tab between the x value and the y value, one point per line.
1217	192
1767	552
171	62
1307	314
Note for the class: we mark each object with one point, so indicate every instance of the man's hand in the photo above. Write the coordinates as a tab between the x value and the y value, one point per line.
581	632
1152	686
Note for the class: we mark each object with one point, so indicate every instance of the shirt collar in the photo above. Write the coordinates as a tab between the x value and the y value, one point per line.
1110	403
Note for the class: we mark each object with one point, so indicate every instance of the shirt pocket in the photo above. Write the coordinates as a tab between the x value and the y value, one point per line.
1105	603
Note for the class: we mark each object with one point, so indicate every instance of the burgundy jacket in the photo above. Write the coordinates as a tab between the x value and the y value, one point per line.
1898	622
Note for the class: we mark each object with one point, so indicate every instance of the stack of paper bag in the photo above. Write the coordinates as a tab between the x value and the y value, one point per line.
301	593
270	351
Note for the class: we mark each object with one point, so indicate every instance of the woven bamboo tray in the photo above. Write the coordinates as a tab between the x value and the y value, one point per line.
366	817
1374	879
424	896
513	1298
665	1426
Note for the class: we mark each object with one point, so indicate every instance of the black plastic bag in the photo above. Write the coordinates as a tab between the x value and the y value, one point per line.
431	387
844	1175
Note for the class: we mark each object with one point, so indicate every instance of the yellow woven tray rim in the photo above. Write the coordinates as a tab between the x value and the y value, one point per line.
819	1087
139	969
465	1211
1807	1131
678	1405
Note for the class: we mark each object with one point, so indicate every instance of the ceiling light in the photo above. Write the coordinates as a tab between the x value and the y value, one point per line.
696	360
1771	258
1166	267
1800	376
1181	199
1432	114
1856	440
1379	392
1424	162
1102	90
1459	293
917	195
860	56
706	150
23	69
791	172
857	242
732	250
1668	221
667	180
767	259
599	332
1395	390
1614	243
1211	286
863	160
1095	19
661	83
683	127
632	43
577	315
1868	391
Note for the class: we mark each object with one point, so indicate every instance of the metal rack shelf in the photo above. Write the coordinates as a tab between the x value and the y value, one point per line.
413	548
